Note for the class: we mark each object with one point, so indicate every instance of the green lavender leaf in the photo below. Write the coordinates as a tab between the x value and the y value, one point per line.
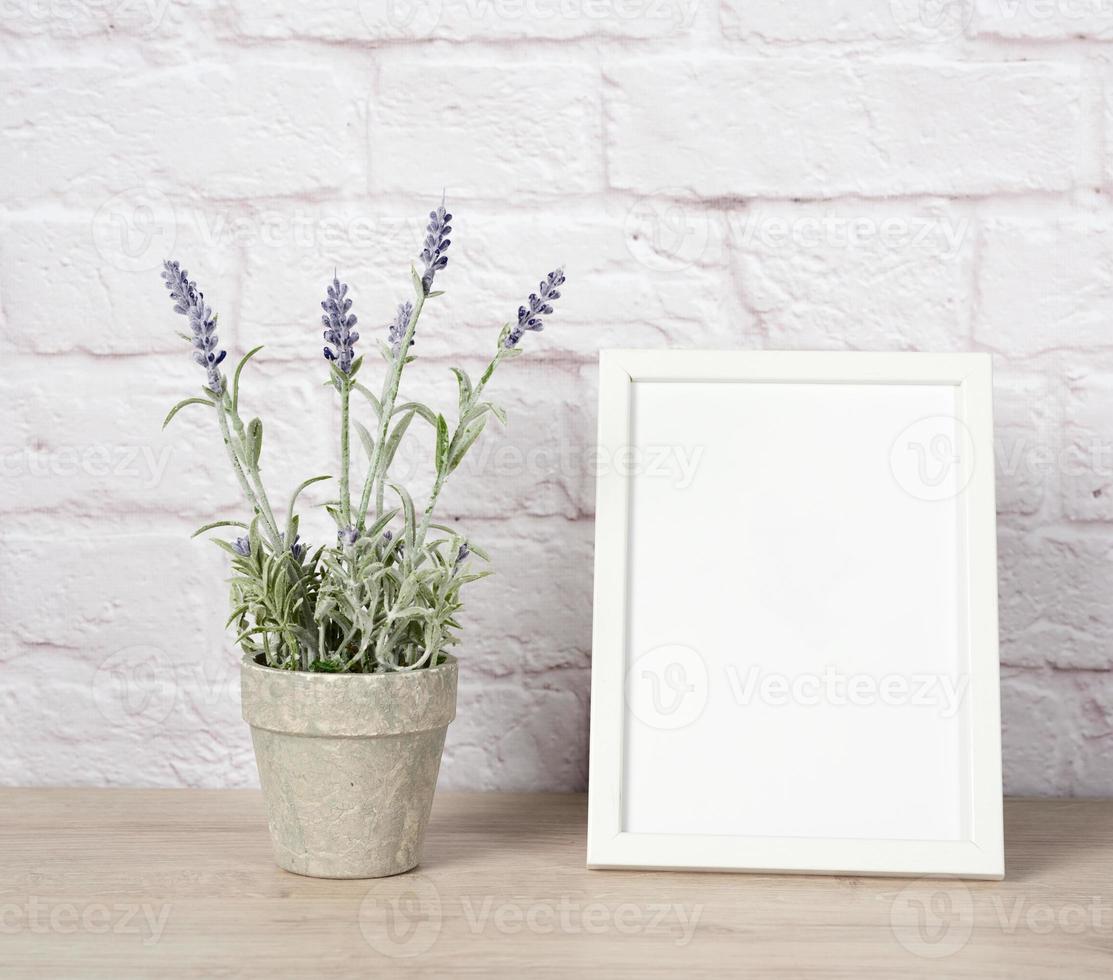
408	512
182	404
442	445
208	527
304	485
254	441
236	377
366	392
465	386
395	439
423	411
365	438
467	440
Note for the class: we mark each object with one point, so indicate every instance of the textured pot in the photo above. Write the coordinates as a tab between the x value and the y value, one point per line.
348	764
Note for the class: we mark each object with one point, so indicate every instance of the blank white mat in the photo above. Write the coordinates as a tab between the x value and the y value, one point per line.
798	554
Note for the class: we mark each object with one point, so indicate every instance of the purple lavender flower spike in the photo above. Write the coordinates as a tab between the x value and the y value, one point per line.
338	322
436	244
540	304
347	536
398	327
462	554
297	549
242	546
190	302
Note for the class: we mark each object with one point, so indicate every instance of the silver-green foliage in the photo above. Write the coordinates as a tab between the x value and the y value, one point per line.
385	597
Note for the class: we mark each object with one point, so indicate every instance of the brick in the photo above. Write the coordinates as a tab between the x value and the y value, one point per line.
1028	442
829	20
1087	463
812	129
115	590
95	442
219	131
1043	19
492	137
534	613
511	734
69	19
897	20
855	275
1045	284
1054	588
1057	737
94	285
142	715
464	20
95	445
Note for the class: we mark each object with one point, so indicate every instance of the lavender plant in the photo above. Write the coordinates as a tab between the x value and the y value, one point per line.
385	595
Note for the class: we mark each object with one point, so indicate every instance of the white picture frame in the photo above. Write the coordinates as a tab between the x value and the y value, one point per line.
838	525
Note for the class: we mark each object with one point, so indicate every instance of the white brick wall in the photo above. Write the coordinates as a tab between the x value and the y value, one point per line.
860	174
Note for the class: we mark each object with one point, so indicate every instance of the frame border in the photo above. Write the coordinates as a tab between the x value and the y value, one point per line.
608	846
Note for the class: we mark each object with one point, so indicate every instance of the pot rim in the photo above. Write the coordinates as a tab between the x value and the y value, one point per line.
298	702
250	662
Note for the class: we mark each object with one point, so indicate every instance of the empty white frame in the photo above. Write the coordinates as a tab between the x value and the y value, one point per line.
795	660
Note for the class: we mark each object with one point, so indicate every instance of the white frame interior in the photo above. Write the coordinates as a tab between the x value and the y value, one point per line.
982	855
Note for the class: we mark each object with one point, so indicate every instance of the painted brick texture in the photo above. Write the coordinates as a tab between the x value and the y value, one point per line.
843	174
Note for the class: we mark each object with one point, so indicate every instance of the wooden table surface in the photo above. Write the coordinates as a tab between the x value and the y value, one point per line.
169	883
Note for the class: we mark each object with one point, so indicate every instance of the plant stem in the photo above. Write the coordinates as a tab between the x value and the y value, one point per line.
345	453
426	517
438	484
252	470
238	467
386	410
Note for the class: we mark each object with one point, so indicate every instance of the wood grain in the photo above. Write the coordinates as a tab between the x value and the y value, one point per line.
180	883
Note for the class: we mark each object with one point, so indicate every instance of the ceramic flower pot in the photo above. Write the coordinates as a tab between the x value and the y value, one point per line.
348	764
